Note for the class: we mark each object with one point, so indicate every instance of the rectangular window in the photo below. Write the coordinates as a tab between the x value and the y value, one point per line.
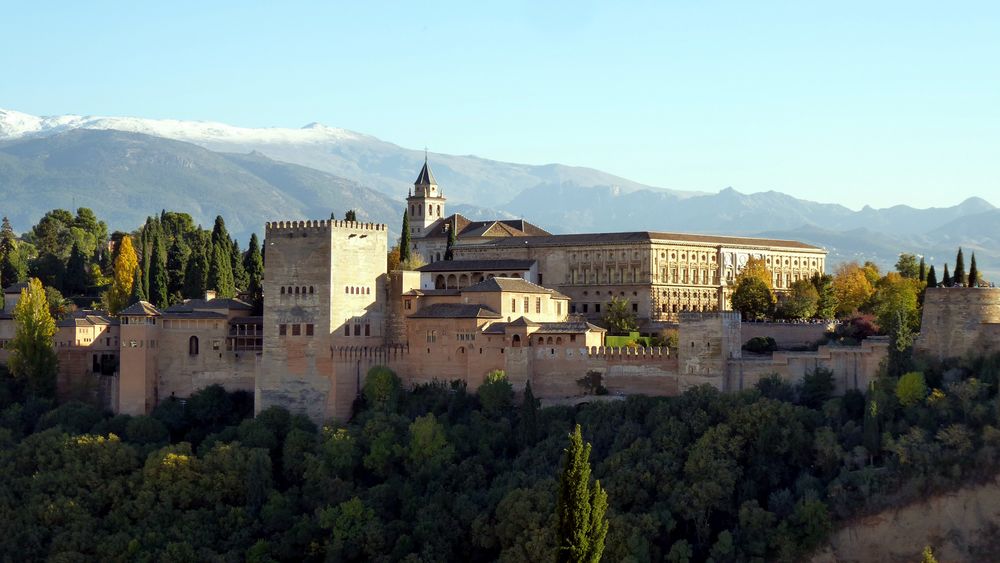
296	330
572	338
409	304
357	330
431	336
539	279
368	329
584	307
216	344
309	330
538	304
635	307
513	304
282	330
558	308
527	303
572	308
347	329
597	307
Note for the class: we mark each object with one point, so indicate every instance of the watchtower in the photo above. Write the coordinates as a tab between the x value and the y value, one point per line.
425	204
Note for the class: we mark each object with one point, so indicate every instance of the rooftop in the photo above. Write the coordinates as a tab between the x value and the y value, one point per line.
477	265
647	236
456	311
514	285
496	228
140	309
191	305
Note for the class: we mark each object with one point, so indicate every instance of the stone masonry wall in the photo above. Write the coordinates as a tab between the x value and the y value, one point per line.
956	320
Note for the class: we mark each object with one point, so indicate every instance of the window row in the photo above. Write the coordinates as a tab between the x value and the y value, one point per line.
296	329
432	210
289	290
357	290
357	329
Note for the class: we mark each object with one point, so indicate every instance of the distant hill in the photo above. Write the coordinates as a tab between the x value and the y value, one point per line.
124	177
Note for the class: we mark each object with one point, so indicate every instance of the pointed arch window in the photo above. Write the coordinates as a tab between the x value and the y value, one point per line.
193	346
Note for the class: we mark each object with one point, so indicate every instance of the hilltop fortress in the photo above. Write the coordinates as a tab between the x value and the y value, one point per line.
514	298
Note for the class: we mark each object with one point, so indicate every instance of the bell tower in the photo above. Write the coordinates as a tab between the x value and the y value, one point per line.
425	204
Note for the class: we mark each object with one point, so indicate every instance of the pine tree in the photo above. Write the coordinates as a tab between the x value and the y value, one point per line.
350	215
449	251
404	240
527	421
580	511
973	272
158	283
76	272
922	272
253	263
958	277
946	280
124	276
932	277
8	255
240	279
32	357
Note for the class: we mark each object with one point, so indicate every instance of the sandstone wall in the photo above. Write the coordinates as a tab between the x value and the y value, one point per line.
956	321
853	367
786	335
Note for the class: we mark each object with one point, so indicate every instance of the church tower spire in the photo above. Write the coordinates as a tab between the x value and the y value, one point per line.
426	205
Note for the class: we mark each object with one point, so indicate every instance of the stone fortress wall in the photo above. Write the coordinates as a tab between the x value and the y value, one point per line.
959	320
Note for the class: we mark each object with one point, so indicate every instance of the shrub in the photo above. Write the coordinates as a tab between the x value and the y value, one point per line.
761	345
911	388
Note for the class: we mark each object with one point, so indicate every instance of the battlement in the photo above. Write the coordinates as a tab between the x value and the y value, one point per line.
291	226
620	353
693	317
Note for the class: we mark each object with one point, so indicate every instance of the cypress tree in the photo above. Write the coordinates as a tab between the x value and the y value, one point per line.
240	279
527	421
196	274
404	240
220	267
580	511
931	277
138	294
253	263
76	272
922	273
958	278
8	254
177	260
449	253
946	280
350	215
158	283
973	272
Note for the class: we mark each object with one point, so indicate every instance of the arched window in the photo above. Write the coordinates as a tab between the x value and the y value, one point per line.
193	346
549	340
312	290
516	341
439	281
439	211
282	290
541	340
437	257
303	289
296	291
558	340
411	210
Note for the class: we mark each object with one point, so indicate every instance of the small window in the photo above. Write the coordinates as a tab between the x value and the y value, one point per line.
513	304
282	330
368	329
597	307
347	329
193	346
584	307
357	330
309	329
296	291
635	307
296	330
282	290
538	304
216	344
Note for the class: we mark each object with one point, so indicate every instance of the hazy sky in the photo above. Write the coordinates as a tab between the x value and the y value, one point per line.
851	102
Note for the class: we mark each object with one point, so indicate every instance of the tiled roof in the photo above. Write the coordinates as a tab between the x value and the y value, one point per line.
432	292
476	265
15	287
426	176
193	315
86	318
516	285
456	311
140	309
645	236
497	228
202	304
568	327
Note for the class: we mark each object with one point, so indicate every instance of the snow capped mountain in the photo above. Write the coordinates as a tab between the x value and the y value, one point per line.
15	125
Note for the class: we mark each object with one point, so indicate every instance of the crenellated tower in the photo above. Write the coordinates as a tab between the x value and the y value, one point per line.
425	205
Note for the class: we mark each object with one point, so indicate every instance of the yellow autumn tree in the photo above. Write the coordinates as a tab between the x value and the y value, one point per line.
32	357
851	288
756	268
116	298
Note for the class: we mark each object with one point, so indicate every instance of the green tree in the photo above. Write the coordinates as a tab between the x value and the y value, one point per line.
449	251
76	272
800	302
907	266
124	276
177	260
911	388
382	388
350	215
253	263
138	293
220	267
752	298
928	555
826	303
581	523
9	273
496	393
958	277
946	280
158	283
32	358
429	448
196	274
932	277
241	280
527	420
619	317
404	239
922	270
973	272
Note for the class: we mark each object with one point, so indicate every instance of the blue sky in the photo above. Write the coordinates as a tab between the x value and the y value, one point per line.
850	102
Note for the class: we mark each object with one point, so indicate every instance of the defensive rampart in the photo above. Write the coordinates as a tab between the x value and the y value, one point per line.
959	320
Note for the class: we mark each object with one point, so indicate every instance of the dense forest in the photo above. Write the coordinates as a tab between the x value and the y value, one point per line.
437	473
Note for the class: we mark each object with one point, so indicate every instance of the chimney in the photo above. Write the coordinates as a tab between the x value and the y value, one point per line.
209	294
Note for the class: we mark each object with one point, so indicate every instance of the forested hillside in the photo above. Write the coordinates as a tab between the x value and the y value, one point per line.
439	474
